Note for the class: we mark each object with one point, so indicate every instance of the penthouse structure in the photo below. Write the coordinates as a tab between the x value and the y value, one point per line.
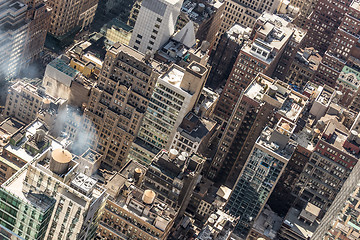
132	211
118	103
260	55
61	80
51	196
262	102
261	172
243	12
154	24
175	95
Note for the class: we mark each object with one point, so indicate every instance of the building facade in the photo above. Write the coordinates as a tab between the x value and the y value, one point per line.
154	24
118	103
260	175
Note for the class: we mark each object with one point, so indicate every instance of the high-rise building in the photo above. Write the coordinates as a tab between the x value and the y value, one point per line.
155	24
68	15
260	104
176	93
262	170
23	31
173	177
343	48
243	12
224	57
118	103
323	23
262	54
52	197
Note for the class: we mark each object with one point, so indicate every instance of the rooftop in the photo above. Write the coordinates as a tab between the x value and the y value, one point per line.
297	225
15	186
23	137
268	223
63	67
278	140
309	57
278	94
174	76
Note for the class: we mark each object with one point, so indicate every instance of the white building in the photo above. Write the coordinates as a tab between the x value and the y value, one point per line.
175	94
155	24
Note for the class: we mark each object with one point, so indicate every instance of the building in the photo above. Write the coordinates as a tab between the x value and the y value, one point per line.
155	24
173	177
306	7
262	103
51	196
8	127
69	16
342	49
260	174
24	27
346	224
176	92
303	67
38	14
117	31
218	226
348	83
61	80
224	57
23	146
323	22
260	55
118	103
133	212
27	102
266	225
329	166
244	12
194	135
299	224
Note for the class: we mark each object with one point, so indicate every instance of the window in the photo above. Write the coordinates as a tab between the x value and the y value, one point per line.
139	36
151	42
155	31
159	20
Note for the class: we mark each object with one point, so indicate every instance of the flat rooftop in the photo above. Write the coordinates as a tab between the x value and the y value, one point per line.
289	102
174	76
298	226
15	187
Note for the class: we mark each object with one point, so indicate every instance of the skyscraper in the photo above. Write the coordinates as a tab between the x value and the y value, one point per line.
261	55
22	34
155	24
260	174
117	104
175	94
